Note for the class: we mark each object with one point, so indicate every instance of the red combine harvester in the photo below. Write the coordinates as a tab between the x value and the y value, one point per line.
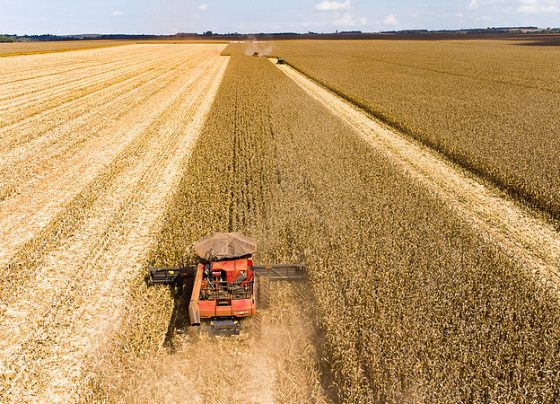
226	285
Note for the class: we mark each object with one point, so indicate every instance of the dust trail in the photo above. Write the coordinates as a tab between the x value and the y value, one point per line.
274	359
262	48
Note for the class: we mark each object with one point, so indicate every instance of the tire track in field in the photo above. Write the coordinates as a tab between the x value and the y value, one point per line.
55	70
104	63
20	134
32	254
78	290
42	65
25	96
48	65
25	165
34	50
18	87
24	215
529	239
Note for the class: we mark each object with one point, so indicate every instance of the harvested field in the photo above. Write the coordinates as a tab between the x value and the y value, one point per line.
491	106
30	48
413	297
88	168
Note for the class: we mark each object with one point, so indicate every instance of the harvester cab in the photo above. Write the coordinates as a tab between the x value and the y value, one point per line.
226	284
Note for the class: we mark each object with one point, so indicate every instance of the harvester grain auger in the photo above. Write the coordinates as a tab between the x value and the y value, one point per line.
226	284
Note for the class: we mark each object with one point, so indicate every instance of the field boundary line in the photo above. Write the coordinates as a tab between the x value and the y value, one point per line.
530	239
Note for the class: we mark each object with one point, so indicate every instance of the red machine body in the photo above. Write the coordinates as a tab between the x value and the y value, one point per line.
226	286
223	289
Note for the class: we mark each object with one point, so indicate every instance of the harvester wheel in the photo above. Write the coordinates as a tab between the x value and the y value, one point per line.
263	292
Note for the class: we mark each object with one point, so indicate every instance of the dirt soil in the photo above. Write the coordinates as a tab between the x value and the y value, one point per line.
92	146
529	238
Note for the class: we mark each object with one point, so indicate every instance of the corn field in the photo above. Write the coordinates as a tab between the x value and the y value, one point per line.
110	158
491	106
414	304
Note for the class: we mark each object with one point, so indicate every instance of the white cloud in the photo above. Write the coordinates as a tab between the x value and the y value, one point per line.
339	15
117	13
473	4
390	21
460	14
538	6
334	5
203	7
348	20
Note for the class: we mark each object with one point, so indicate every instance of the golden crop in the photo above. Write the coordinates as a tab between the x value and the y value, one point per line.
491	106
84	136
414	304
29	48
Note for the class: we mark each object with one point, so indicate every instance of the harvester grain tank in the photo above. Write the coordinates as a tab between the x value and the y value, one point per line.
226	284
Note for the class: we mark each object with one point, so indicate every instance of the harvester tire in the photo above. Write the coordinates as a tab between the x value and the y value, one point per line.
263	292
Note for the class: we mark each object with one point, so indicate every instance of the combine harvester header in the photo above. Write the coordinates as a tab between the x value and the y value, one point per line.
226	284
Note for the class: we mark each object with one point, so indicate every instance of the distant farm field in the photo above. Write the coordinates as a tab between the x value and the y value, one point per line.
493	106
27	48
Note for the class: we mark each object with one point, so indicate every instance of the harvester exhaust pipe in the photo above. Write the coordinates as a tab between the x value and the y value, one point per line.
194	310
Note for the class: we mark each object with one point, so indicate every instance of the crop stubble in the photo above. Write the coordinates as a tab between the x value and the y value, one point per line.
31	172
96	209
30	48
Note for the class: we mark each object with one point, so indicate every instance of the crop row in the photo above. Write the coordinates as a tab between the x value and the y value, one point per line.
490	106
29	48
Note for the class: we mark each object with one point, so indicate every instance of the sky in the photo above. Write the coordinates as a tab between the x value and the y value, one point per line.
252	16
